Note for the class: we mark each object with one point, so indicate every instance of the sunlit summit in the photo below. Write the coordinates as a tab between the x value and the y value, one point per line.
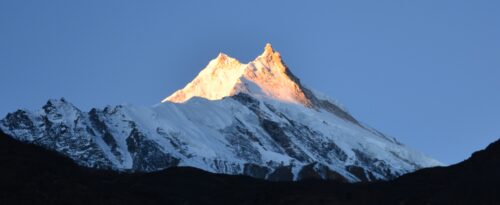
266	76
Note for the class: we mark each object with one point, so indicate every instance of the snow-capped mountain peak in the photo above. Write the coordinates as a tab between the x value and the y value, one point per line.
255	119
265	77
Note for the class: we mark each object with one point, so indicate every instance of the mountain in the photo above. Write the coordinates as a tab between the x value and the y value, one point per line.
255	119
33	175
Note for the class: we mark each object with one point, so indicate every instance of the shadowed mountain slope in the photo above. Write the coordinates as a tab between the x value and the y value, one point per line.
34	175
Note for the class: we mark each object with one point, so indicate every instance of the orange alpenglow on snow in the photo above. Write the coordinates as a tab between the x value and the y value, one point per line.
266	77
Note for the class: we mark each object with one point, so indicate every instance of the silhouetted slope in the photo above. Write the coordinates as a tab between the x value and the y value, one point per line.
473	181
33	175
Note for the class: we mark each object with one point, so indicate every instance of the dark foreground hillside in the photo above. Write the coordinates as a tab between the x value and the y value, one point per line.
32	175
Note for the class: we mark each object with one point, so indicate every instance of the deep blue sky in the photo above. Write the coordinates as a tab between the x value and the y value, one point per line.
426	72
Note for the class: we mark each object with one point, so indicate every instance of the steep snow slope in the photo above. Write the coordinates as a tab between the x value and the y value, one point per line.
254	119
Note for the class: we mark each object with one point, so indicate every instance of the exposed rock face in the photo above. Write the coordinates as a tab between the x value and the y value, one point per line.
255	119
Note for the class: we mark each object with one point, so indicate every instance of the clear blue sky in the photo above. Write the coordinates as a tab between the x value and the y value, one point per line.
426	72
